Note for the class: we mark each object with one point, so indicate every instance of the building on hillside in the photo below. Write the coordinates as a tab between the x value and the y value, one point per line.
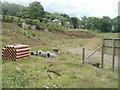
81	27
68	25
56	22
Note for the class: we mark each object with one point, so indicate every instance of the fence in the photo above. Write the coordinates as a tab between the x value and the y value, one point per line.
109	46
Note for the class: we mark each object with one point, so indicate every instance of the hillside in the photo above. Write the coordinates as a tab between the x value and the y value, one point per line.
38	38
32	72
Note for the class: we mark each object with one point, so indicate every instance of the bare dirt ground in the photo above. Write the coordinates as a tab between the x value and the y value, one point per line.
79	34
88	50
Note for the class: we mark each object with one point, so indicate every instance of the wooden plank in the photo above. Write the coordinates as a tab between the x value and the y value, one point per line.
113	55
83	55
117	43
92	53
111	38
102	54
108	45
108	42
112	46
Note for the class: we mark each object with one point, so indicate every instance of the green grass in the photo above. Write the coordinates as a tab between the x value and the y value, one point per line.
15	18
32	72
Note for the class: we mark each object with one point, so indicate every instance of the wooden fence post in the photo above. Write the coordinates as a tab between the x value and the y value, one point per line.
113	55
102	57
83	54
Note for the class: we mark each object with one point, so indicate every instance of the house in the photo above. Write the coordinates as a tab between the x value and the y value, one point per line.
81	27
56	22
68	25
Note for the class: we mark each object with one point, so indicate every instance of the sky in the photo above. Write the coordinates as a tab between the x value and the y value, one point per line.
77	8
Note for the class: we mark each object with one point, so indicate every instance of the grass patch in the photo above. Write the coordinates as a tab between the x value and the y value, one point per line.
32	72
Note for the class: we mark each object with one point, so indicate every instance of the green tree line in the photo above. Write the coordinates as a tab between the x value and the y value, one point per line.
36	11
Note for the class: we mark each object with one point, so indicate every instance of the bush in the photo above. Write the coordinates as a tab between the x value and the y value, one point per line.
37	23
38	26
18	19
28	36
33	34
3	17
20	24
12	18
34	22
43	25
25	33
28	21
56	27
97	64
7	20
97	31
45	20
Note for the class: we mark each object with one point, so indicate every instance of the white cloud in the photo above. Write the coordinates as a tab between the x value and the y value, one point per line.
79	8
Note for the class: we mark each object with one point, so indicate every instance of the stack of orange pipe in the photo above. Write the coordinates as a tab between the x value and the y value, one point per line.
15	52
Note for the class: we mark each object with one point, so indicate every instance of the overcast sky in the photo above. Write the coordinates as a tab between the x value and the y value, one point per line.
78	8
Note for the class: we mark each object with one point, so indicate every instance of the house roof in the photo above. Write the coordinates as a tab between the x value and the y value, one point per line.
55	20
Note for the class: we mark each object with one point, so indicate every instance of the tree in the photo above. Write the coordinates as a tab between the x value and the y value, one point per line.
118	29
116	24
55	16
97	23
23	14
63	21
74	21
106	24
92	23
35	10
47	15
11	8
84	21
66	16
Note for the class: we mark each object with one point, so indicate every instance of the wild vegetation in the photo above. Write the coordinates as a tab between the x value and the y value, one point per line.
36	11
64	71
32	72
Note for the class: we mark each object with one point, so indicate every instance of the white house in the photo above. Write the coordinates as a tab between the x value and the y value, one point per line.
56	22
